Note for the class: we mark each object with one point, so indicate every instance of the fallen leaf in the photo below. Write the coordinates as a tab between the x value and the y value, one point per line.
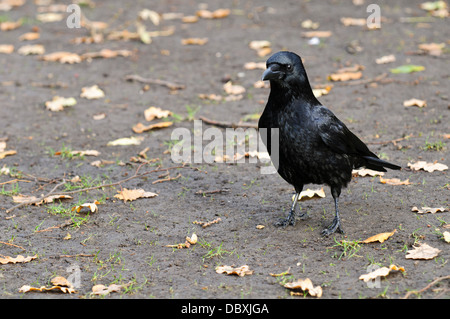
35	49
133	194
217	14
310	194
106	53
394	181
102	290
365	171
189	19
151	15
380	272
305	285
101	163
3	154
385	59
6	48
10	25
92	207
255	65
434	49
140	128
316	34
321	92
345	76
50	199
29	36
308	24
353	21
19	259
446	235
212	97
125	141
194	41
409	68
62	57
192	240
422	251
415	102
379	237
229	270
262	47
50	17
92	92
233	89
426	210
58	103
429	167
155	112
260	226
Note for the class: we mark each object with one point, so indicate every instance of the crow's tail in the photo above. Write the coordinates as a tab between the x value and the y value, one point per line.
378	164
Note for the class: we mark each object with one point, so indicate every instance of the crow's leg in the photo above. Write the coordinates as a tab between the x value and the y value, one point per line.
290	220
336	224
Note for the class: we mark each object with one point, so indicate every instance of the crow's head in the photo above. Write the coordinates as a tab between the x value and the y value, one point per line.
286	68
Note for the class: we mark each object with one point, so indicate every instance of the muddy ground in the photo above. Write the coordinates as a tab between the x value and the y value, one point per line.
125	243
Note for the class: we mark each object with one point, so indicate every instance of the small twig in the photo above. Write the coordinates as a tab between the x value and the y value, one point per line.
71	256
168	179
228	124
431	284
15	180
66	223
2	242
391	141
202	192
206	224
170	85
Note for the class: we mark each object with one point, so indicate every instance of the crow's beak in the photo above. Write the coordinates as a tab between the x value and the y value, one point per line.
272	72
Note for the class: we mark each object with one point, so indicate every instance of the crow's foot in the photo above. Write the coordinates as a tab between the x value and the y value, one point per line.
290	220
335	226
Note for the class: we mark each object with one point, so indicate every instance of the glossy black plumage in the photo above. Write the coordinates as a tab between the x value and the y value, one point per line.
314	146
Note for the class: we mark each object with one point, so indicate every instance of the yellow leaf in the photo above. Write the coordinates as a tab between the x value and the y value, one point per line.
155	112
379	237
194	41
394	181
415	102
429	167
31	49
141	128
6	48
365	171
29	36
233	89
92	92
345	76
240	271
3	154
318	34
125	141
92	207
310	194
58	103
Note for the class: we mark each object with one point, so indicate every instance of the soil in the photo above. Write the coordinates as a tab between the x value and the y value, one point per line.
125	242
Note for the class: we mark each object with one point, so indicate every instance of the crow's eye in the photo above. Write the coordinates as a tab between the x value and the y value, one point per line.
289	67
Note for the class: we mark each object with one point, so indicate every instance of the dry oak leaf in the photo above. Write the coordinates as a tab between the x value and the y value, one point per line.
415	102
31	49
429	167
92	207
133	194
141	128
394	181
18	259
305	285
379	237
92	92
58	103
6	48
155	112
229	270
426	210
102	290
345	76
380	272
318	34
422	251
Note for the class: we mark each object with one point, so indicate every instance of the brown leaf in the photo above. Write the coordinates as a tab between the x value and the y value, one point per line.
380	272
233	89
394	181
62	57
3	154
141	128
385	59
318	34
434	49
102	290
133	194
379	237
429	167
426	210
18	259
29	36
10	25
6	48
353	21
305	285
217	14
422	251
31	49
229	270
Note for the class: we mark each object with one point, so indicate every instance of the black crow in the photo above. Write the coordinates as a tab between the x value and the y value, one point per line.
314	146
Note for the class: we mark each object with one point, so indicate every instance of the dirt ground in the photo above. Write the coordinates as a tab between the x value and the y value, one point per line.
124	243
